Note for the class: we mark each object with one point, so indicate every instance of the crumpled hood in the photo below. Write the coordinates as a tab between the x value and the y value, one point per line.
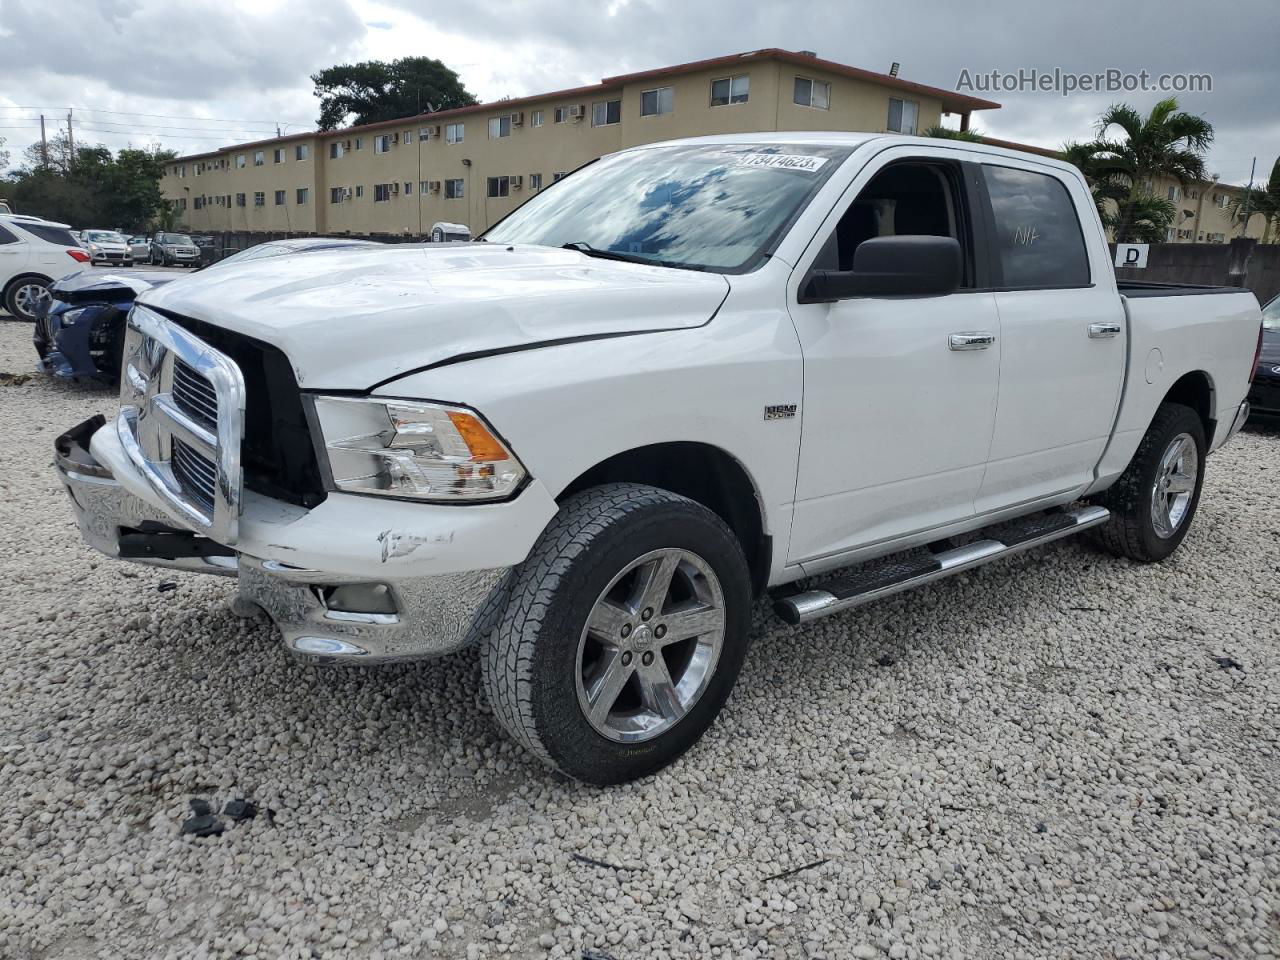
355	317
115	286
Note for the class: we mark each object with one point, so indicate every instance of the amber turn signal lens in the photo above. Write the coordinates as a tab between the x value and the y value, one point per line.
483	445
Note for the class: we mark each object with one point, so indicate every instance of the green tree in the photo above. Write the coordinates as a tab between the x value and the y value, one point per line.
367	92
946	133
1165	143
1261	201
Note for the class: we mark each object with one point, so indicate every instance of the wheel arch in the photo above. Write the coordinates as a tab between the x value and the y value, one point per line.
1196	390
18	278
704	473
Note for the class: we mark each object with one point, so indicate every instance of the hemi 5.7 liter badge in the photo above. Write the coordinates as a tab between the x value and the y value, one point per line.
780	411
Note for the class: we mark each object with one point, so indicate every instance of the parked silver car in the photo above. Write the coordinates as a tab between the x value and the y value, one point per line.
140	247
107	246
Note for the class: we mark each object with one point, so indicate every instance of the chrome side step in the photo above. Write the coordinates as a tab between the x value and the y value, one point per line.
885	580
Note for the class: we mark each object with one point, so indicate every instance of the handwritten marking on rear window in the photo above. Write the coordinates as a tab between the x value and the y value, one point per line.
784	161
1025	236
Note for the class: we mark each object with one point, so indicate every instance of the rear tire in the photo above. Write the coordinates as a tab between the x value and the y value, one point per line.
24	296
588	670
1154	502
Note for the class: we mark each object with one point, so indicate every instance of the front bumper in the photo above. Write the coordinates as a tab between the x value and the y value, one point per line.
289	561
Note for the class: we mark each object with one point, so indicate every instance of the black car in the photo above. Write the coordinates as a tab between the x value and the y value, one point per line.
1264	396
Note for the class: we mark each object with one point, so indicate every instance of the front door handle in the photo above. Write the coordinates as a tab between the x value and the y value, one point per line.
1104	331
971	341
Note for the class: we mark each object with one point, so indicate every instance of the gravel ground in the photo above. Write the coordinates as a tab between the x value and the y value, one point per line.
1061	755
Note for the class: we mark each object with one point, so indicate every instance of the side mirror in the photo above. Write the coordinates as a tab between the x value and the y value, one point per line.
915	266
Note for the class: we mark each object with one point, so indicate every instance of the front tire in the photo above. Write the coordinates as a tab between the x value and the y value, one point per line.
1155	499
626	629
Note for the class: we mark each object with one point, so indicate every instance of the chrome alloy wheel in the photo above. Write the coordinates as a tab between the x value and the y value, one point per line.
650	645
1174	486
28	297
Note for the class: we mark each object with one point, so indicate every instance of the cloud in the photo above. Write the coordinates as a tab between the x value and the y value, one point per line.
236	59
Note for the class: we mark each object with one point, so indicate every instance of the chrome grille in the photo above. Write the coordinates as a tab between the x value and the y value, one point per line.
196	475
193	394
181	423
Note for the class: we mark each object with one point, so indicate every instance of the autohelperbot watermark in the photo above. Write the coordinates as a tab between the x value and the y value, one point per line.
1067	82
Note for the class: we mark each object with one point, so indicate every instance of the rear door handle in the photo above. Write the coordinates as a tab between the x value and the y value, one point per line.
977	340
1104	331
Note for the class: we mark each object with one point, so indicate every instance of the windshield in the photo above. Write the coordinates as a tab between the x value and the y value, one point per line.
103	236
719	207
176	238
1271	314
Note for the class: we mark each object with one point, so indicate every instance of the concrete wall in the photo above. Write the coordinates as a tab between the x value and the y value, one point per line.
547	149
1241	263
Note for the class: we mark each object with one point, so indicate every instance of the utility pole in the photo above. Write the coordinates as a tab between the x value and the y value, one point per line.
44	145
1248	198
71	142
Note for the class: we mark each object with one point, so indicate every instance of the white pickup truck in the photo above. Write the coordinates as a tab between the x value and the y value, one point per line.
828	366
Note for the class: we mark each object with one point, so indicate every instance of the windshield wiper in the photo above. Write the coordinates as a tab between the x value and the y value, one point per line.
583	247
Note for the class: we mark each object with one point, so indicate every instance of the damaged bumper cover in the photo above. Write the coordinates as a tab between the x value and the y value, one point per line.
355	579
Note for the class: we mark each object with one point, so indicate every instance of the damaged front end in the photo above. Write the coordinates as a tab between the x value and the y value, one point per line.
81	334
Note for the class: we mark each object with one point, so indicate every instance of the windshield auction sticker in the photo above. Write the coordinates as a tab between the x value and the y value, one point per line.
784	161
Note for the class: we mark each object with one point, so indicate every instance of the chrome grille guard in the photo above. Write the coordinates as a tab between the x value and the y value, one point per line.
149	420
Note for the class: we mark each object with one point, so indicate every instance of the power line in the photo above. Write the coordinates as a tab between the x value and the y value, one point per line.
163	116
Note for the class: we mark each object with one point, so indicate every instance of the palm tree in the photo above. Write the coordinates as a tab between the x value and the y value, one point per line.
1165	143
1264	201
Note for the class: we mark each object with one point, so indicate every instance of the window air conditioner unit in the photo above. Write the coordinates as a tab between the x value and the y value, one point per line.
433	131
517	118
433	186
395	138
346	193
346	145
517	183
395	189
577	111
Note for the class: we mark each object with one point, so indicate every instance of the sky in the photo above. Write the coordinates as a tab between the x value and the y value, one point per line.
194	75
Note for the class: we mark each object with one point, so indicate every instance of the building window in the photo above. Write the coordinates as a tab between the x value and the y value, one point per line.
1220	200
259	158
656	102
424	133
1173	194
726	90
561	114
279	198
606	112
408	188
240	160
454	189
535	181
239	199
499	127
382	143
812	93
499	186
277	155
408	137
359	190
303	194
335	150
382	192
453	133
359	143
259	199
422	187
902	116
336	194
535	118
301	152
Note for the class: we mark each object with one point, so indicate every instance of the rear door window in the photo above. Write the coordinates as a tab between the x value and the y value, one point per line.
58	235
1038	240
6	236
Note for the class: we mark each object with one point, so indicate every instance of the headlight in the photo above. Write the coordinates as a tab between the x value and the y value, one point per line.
427	451
72	317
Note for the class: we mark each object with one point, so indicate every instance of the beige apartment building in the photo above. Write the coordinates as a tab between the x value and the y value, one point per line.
473	165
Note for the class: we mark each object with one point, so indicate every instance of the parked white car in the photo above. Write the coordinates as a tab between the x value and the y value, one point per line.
686	374
108	246
34	253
